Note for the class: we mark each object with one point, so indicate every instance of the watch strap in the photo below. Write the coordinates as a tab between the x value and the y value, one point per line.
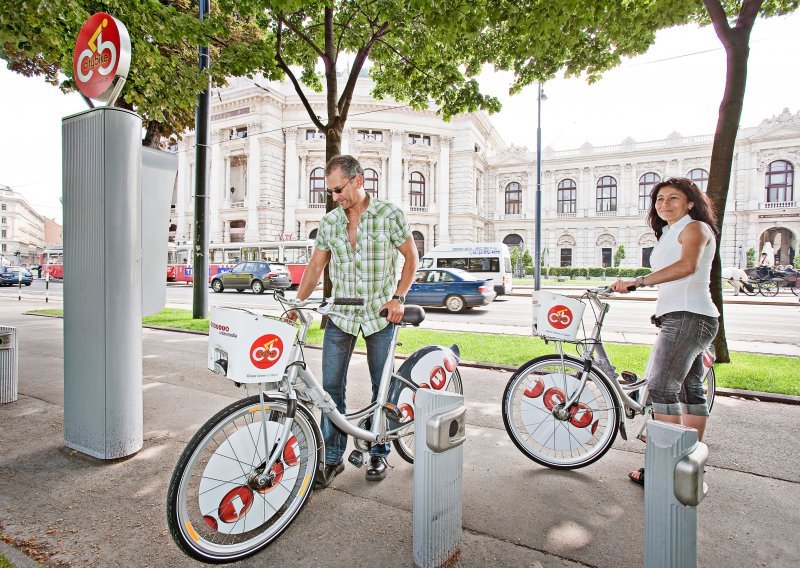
401	299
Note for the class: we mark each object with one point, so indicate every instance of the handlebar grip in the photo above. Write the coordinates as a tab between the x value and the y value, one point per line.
348	301
631	288
383	313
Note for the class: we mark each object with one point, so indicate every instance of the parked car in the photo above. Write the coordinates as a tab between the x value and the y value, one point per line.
253	275
455	289
10	275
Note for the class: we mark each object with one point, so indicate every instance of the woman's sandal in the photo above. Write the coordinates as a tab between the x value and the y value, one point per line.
637	476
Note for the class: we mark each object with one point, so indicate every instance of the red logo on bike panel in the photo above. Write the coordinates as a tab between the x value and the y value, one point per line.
266	350
102	52
438	378
559	316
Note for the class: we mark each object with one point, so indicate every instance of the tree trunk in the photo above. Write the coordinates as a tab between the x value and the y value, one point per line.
730	112
333	147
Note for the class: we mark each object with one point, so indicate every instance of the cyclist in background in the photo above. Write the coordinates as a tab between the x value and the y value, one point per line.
685	225
360	239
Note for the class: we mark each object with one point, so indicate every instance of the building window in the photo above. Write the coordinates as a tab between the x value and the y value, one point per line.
315	134
607	194
3	220
238	132
566	257
513	198
605	254
646	252
3	248
3	207
369	136
371	182
316	187
700	178
416	190
567	196
780	181
646	183
419	139
3	234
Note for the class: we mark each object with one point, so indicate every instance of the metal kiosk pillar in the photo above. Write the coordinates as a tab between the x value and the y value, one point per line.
674	461
440	425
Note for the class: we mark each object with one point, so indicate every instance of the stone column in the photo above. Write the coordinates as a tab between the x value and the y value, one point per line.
344	147
251	233
215	188
396	167
443	188
290	182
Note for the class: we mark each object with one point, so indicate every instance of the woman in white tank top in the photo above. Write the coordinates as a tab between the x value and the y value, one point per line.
685	225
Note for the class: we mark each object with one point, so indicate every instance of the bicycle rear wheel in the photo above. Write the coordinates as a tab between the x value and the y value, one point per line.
215	510
405	443
710	387
540	386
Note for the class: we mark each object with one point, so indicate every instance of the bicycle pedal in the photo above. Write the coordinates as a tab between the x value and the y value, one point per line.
633	386
356	458
392	412
628	377
630	413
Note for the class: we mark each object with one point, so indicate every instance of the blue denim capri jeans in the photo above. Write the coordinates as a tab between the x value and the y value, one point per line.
675	370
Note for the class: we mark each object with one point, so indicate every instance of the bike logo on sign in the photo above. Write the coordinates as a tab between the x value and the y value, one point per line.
102	53
559	317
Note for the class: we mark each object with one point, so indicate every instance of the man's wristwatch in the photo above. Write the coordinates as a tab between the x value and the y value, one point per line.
401	299
640	282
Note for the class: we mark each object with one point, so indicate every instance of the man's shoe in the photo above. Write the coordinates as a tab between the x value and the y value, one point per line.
325	475
377	468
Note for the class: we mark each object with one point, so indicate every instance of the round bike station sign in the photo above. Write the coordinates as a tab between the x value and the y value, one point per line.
102	53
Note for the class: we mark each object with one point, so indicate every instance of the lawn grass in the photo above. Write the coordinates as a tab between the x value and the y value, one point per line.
747	371
5	562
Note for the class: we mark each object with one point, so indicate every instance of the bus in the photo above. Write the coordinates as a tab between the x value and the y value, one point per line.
222	257
482	260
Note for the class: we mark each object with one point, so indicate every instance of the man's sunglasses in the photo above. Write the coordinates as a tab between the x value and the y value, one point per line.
338	190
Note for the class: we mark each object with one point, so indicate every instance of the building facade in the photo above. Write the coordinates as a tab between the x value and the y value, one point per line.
458	181
21	229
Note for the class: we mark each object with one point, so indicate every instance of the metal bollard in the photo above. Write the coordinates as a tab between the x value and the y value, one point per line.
9	364
674	462
440	425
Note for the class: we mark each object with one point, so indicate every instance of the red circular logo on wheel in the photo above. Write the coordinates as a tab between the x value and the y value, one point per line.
235	504
559	316
266	350
102	52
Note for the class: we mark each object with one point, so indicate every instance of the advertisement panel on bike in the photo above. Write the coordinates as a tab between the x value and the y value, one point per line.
247	347
556	316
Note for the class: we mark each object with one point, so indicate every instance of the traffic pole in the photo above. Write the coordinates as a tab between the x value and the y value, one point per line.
47	284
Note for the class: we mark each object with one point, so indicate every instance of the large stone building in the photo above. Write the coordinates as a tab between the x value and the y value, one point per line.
458	181
21	229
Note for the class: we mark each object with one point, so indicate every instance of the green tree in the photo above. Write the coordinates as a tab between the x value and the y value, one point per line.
527	261
751	257
619	255
38	38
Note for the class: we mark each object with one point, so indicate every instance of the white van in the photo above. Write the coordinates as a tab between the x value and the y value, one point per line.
482	260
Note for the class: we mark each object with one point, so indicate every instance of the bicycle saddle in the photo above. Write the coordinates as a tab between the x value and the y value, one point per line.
413	315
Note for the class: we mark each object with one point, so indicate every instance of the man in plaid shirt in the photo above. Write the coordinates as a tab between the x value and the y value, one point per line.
360	239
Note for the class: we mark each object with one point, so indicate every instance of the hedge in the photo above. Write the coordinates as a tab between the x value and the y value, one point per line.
574	272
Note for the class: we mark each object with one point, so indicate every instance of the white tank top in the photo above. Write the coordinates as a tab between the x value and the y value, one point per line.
689	294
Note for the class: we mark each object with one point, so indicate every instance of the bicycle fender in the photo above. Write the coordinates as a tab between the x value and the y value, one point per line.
430	367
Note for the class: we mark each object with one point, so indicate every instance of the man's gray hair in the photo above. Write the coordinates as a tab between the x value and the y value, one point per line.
348	164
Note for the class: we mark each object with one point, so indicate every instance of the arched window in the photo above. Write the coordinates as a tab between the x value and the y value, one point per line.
316	187
419	242
371	182
313	234
567	196
416	190
646	183
780	181
607	194
513	198
700	178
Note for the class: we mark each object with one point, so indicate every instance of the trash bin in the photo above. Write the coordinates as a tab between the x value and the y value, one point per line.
440	427
8	364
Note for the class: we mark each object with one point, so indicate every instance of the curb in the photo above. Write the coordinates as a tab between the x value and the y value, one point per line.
640	299
733	393
17	558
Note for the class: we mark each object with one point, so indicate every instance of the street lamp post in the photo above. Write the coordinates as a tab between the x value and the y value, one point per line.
537	269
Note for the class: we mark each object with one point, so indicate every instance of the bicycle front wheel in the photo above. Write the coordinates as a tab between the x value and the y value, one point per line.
216	510
530	404
404	444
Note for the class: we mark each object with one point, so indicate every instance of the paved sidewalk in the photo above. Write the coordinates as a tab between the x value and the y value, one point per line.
79	511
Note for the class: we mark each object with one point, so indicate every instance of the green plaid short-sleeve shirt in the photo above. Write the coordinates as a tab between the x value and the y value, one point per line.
370	270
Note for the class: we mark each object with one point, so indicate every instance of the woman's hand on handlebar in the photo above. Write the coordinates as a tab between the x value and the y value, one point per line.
394	311
623	286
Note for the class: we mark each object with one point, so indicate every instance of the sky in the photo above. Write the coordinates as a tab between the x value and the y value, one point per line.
676	86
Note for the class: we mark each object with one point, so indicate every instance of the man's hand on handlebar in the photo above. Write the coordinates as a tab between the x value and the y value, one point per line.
623	286
394	311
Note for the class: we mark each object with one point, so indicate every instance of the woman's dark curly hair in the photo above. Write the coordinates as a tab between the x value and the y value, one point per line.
702	210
